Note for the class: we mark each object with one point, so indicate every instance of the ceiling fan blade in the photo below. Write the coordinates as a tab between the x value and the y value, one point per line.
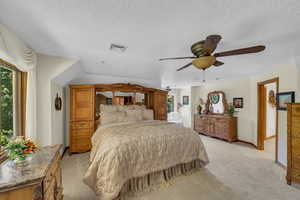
218	63
177	58
254	49
211	43
185	66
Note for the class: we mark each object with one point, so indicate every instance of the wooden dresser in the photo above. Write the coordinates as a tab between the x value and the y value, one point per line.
40	179
220	126
293	143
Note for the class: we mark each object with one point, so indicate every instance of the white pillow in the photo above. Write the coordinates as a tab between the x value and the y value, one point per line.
139	107
134	115
148	114
108	108
124	107
112	117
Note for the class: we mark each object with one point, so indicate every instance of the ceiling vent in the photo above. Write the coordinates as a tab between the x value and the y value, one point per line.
118	48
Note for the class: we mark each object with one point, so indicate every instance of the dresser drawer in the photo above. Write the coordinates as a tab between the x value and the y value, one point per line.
295	147
296	175
82	125
51	175
296	111
50	193
81	133
81	144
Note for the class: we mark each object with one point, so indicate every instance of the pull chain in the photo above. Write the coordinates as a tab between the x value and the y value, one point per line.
203	78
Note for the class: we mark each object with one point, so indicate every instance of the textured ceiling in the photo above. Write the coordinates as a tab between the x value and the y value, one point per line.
155	29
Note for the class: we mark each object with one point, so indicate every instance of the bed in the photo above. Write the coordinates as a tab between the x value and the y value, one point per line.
130	155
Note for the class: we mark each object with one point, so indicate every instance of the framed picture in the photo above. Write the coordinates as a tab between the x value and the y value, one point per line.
238	102
284	97
185	100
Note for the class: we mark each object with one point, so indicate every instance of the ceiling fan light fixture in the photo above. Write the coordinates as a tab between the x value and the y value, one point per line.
204	62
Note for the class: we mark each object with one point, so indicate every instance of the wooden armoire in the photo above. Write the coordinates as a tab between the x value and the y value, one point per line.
293	143
84	108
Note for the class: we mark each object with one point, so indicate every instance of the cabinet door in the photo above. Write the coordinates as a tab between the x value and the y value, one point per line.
81	140
82	101
199	124
160	106
221	128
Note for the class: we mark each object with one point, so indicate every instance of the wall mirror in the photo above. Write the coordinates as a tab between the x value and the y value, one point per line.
216	102
129	98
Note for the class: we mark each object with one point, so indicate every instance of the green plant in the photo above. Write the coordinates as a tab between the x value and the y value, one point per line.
199	108
231	109
18	148
3	140
6	101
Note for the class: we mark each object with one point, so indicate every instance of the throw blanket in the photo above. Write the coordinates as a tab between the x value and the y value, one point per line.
129	150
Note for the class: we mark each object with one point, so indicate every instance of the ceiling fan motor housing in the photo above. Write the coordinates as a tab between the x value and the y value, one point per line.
197	48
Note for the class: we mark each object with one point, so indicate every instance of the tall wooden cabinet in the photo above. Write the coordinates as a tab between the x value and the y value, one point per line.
83	109
160	105
293	143
82	117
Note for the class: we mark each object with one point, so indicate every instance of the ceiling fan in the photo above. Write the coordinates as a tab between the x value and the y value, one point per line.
203	50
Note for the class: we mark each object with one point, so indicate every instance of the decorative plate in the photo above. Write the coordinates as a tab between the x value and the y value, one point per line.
214	98
58	102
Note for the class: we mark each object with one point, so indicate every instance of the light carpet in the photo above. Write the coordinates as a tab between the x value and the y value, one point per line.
235	172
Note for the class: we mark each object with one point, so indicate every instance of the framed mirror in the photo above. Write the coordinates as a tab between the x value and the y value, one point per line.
129	98
216	103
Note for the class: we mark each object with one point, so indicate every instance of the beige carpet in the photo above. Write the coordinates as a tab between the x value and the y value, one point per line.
236	172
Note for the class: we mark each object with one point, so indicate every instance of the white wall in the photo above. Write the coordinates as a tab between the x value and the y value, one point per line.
247	88
185	110
270	112
49	123
58	117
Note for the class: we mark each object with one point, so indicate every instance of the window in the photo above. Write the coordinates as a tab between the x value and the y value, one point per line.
7	100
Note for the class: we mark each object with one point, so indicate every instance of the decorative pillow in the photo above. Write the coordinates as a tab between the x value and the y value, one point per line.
108	108
112	117
147	114
124	107
139	107
134	115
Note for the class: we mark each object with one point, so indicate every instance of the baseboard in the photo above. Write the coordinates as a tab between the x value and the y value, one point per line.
65	150
242	141
281	165
270	137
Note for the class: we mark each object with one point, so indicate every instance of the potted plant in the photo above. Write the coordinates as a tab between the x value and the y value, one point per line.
231	109
199	108
18	149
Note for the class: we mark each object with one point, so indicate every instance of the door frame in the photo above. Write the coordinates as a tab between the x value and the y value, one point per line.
261	115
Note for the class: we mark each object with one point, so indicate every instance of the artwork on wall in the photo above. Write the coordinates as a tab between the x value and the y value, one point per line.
238	102
272	98
283	98
185	100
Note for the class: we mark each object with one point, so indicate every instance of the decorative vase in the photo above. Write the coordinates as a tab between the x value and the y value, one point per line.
17	163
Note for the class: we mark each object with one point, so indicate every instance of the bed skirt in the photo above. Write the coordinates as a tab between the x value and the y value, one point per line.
155	179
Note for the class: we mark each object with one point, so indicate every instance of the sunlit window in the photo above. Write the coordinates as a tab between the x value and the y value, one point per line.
6	101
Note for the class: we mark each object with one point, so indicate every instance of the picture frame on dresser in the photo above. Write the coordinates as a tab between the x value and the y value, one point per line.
283	98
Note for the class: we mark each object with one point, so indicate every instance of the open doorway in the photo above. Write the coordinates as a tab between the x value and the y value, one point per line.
267	120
